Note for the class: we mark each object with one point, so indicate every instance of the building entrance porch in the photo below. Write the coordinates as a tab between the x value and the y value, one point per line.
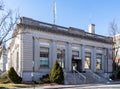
77	64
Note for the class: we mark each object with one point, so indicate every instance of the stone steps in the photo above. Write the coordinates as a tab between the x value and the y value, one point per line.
73	78
92	77
89	78
76	78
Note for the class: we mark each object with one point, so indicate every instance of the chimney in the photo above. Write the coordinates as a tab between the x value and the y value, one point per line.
91	28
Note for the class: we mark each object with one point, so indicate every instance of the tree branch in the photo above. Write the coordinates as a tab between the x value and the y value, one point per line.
1	5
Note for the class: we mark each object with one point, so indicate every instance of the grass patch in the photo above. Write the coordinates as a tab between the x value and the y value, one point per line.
15	85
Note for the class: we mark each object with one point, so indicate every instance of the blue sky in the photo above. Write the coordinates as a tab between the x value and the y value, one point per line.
71	13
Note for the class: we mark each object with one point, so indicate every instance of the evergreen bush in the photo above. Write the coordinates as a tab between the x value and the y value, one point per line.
45	79
56	75
116	74
13	77
3	78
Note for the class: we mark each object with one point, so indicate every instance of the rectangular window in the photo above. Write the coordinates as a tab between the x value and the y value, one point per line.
61	57
99	61
75	54
87	60
44	57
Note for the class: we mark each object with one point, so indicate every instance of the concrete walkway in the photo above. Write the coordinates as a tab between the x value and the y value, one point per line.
84	86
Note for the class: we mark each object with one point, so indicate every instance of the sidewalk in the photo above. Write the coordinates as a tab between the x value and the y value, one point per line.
82	86
66	86
61	86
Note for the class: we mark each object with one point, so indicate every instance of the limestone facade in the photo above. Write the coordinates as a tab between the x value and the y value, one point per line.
38	45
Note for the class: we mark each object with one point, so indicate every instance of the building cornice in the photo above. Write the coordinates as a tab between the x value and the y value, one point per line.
74	32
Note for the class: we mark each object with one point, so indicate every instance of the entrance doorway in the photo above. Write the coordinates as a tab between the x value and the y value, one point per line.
78	64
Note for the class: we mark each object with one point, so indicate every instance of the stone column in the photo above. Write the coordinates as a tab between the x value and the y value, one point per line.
36	54
83	57
53	53
110	61
69	57
93	60
21	55
106	60
103	57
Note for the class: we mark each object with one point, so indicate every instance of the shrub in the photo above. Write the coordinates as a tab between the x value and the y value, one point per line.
13	77
116	74
112	76
45	79
56	75
4	78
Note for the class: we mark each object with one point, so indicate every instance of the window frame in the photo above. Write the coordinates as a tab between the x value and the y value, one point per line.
99	56
60	60
88	55
48	57
78	53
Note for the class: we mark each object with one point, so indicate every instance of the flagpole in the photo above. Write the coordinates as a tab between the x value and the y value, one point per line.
54	11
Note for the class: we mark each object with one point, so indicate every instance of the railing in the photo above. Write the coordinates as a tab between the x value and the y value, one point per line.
81	76
95	75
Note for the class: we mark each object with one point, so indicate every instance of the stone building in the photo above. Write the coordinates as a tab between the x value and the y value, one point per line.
36	47
3	58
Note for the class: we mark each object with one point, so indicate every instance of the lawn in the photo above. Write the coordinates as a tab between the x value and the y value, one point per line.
10	85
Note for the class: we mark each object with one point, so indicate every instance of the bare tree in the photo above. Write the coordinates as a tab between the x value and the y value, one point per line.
113	32
7	23
1	5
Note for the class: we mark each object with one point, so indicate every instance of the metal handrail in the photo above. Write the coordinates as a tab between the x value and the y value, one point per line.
95	75
81	75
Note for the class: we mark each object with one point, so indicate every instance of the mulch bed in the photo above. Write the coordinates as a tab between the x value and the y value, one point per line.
49	84
45	84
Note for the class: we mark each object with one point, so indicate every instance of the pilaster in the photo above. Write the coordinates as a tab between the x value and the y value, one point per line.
53	53
83	57
69	57
36	54
93	60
